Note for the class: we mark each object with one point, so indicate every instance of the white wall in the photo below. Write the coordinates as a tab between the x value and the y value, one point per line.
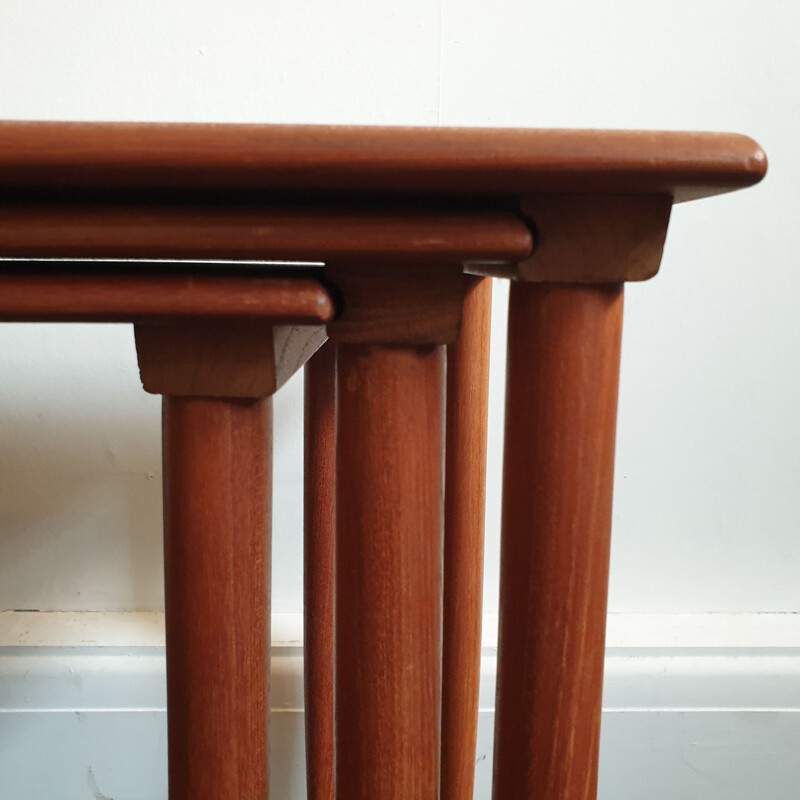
707	511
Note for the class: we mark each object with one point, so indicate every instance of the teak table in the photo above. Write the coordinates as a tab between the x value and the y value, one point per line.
170	227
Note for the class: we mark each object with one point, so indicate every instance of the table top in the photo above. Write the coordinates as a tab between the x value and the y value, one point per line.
383	161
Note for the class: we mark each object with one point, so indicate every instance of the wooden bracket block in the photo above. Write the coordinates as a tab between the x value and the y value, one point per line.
411	304
213	358
590	238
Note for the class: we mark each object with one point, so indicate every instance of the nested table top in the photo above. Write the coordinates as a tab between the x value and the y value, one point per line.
374	160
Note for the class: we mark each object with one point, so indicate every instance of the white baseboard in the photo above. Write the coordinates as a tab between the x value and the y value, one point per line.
696	707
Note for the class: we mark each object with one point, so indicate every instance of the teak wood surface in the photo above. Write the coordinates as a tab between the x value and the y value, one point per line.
152	229
390	305
101	293
390	415
319	501
217	488
595	238
464	508
558	474
348	159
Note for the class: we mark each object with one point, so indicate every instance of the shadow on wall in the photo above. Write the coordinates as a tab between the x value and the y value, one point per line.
80	472
80	475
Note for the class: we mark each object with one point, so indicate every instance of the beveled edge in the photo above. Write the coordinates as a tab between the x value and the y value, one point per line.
378	160
105	295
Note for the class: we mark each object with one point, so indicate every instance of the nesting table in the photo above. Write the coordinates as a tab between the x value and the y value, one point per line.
242	253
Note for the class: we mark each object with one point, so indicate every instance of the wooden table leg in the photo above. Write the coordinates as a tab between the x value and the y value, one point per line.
217	479
319	501
465	500
388	571
217	377
561	399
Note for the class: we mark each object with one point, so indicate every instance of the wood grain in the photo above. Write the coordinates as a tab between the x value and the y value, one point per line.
318	579
464	508
332	159
561	400
595	238
388	571
294	345
219	230
108	296
222	358
207	358
388	304
217	479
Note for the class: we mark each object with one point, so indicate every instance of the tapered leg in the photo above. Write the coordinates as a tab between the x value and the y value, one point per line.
465	495
388	571
217	479
319	500
561	399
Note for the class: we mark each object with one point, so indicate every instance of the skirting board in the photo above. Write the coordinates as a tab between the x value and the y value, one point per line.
696	707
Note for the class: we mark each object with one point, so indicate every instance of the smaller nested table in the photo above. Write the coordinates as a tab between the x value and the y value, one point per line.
169	227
